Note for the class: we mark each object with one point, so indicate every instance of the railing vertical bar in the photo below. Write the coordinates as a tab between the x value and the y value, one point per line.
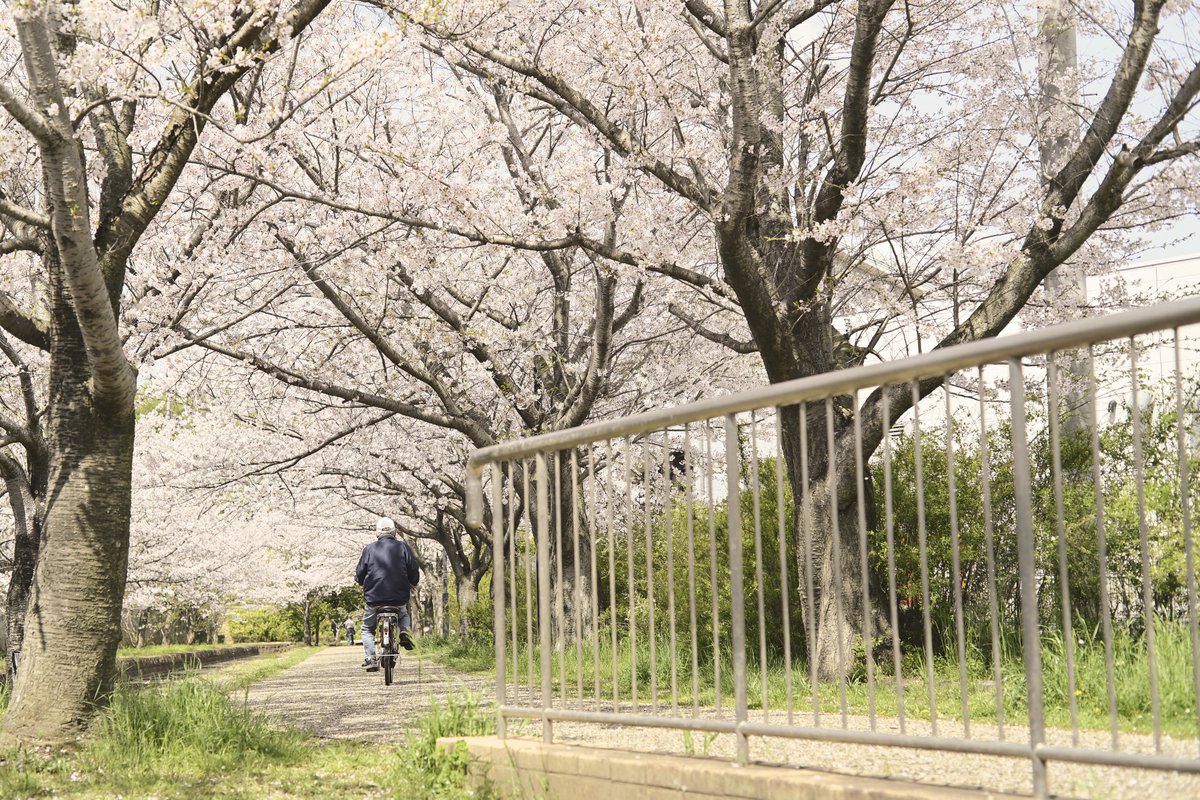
610	469
558	626
712	562
499	620
1102	555
648	524
632	586
785	610
1064	578
689	484
806	516
756	499
593	527
575	603
1026	558
516	500
890	525
669	534
960	635
864	566
1189	553
529	534
989	550
923	548
831	478
737	590
1144	547
544	608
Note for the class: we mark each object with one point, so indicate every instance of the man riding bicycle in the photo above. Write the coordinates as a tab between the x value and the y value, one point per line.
386	571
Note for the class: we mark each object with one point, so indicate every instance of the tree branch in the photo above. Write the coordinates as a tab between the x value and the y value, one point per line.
170	155
700	12
27	328
113	378
22	214
573	103
723	339
477	435
30	119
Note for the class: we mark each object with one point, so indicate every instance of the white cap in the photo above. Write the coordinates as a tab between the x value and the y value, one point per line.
385	527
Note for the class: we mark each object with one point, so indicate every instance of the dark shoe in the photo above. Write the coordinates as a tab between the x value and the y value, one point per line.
371	665
406	641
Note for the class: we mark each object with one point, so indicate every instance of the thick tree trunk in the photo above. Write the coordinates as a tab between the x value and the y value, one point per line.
72	627
73	621
25	552
572	594
445	598
1066	286
468	595
307	627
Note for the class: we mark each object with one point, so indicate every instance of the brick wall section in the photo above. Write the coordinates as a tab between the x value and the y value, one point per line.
530	770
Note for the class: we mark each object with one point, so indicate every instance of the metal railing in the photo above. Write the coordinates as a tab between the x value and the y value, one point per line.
969	550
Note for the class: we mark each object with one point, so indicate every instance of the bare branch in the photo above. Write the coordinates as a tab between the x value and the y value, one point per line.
478	436
19	244
574	104
700	12
26	215
29	329
723	339
30	119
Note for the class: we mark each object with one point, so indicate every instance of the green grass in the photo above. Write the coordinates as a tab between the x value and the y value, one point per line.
1131	665
193	738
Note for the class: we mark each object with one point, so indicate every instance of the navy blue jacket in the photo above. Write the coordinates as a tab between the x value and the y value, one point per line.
386	571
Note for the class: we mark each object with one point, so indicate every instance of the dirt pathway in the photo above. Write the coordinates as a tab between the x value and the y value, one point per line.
329	694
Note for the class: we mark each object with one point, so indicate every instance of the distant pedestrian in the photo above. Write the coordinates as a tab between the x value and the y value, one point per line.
334	626
349	623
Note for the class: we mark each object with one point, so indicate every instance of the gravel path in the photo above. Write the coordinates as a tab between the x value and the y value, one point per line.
329	695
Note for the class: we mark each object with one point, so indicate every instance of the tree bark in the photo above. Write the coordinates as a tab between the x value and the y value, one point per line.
467	593
25	547
73	622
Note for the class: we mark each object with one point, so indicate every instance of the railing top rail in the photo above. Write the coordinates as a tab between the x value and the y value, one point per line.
938	362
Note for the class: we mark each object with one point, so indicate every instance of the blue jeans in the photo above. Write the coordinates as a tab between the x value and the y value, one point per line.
370	617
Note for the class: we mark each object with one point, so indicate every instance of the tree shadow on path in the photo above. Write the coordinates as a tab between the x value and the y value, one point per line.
330	696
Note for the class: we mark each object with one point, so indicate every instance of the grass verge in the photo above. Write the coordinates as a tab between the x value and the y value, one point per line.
190	738
1132	695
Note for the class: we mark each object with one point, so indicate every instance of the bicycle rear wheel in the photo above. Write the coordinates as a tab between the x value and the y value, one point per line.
389	665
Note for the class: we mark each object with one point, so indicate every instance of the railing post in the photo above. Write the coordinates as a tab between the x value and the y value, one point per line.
499	611
737	591
543	591
1031	639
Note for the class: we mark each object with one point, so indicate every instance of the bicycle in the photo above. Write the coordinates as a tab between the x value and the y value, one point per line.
390	638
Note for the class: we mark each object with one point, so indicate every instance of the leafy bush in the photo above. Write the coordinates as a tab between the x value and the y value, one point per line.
270	624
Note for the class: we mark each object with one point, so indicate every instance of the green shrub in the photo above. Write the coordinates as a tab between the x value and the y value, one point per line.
270	624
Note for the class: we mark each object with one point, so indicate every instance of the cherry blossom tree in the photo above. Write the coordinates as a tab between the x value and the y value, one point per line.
842	159
393	240
108	102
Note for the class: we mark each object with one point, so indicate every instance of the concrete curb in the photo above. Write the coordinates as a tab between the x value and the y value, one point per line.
137	667
530	770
